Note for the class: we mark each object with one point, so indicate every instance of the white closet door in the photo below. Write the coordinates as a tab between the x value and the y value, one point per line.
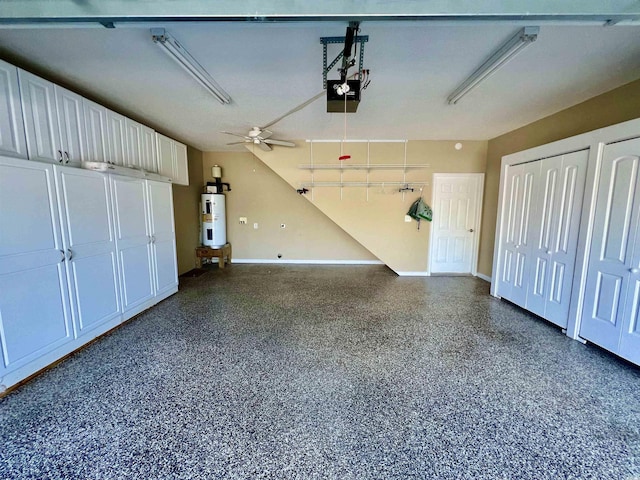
516	246
34	309
630	336
91	247
40	118
133	240
163	236
96	130
611	259
72	126
559	196
12	138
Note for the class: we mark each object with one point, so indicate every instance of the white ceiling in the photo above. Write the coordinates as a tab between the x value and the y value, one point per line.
270	67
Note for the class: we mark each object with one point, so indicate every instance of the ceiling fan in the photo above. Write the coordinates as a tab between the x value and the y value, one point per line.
260	137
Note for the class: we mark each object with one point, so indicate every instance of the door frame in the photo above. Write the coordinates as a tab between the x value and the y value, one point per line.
479	178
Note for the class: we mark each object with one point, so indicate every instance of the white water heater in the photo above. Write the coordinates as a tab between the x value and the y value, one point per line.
214	226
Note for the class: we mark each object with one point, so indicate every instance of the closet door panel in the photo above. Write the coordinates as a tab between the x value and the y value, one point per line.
513	191
611	256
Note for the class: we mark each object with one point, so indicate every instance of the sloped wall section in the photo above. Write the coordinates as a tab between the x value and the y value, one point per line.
375	215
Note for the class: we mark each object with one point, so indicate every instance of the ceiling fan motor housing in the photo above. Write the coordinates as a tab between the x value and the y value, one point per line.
336	102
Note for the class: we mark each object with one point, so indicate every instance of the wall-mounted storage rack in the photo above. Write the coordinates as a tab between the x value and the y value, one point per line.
403	186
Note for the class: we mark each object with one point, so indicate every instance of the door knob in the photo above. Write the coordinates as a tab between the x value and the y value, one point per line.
471	230
634	270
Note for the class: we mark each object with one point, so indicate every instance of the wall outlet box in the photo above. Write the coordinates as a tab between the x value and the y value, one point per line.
243	220
255	225
407	218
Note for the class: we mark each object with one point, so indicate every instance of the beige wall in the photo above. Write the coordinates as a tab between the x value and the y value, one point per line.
609	108
264	198
377	222
186	211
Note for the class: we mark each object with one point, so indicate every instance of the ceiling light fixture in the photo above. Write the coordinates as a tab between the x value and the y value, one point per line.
177	52
506	52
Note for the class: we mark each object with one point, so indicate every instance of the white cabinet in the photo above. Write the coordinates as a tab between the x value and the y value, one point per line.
141	146
145	240
538	234
12	138
54	121
96	130
611	315
172	160
163	240
35	315
89	241
116	139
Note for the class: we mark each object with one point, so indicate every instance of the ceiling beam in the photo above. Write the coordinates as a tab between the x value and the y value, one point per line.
104	11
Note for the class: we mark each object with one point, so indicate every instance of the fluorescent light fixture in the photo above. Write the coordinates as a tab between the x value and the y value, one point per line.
176	51
506	52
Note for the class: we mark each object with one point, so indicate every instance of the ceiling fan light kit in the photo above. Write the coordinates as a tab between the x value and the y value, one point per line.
525	36
182	57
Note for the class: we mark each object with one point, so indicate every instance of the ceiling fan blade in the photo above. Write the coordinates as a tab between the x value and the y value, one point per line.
282	143
265	133
238	143
236	135
264	147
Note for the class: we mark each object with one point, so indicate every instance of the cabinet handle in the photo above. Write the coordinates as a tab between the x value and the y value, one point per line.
70	254
59	156
153	239
66	154
63	256
634	270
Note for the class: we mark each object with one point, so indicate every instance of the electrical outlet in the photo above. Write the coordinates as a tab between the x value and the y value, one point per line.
255	226
282	225
243	220
407	218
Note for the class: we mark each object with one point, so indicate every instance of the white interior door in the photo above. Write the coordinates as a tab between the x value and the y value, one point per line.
558	198
90	240
457	200
612	279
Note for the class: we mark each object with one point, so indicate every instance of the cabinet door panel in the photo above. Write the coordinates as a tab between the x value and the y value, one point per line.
34	306
150	160
72	129
181	166
165	156
85	196
163	232
41	118
133	240
116	139
135	155
12	138
96	130
611	257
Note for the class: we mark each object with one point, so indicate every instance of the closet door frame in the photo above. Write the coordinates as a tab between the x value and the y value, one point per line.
594	141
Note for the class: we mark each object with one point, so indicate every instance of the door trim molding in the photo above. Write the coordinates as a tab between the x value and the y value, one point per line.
479	178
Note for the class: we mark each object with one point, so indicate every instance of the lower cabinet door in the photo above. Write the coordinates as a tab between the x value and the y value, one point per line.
91	249
35	317
133	242
163	236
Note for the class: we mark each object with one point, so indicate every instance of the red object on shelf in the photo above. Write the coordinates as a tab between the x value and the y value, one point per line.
344	157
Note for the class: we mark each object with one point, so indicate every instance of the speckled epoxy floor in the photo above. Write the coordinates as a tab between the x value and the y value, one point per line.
336	372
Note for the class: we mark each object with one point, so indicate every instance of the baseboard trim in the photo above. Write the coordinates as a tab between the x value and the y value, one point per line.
306	262
483	277
413	274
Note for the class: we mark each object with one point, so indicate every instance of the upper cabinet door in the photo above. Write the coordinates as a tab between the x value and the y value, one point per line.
72	126
134	144
95	119
165	155
181	166
40	118
12	138
116	139
149	152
